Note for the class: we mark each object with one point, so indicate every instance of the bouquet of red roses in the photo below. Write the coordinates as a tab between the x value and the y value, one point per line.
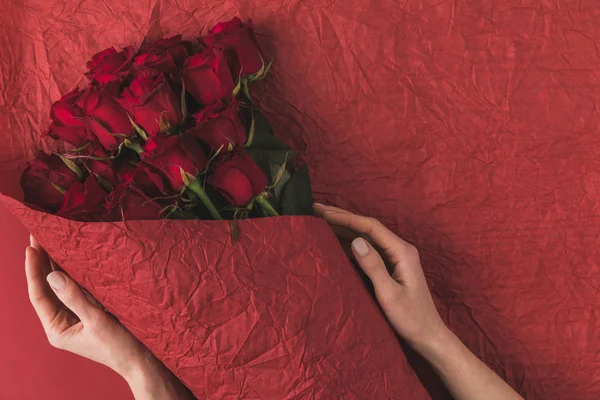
163	144
168	132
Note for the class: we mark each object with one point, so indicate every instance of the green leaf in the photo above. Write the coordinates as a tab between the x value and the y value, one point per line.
263	134
265	204
131	145
269	65
61	189
297	194
245	89
77	150
186	177
281	179
237	88
261	73
251	132
264	158
258	74
72	166
169	211
92	158
277	170
139	130
106	185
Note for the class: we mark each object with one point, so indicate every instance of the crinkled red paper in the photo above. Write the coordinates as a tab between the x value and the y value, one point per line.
469	127
281	313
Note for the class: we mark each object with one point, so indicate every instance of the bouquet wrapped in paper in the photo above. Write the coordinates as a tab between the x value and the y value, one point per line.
168	198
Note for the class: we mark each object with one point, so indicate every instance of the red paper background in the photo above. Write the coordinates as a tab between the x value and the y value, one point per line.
469	127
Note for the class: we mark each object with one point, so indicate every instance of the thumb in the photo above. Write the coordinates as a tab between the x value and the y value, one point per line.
71	295
372	264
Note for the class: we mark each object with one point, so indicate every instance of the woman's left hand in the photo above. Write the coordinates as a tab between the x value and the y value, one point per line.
73	322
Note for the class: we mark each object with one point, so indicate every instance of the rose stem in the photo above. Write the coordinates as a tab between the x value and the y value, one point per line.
264	203
197	188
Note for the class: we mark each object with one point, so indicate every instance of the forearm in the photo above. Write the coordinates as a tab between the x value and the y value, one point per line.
153	381
465	376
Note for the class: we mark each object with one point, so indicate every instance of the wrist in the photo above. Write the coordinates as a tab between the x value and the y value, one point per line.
435	343
148	378
134	365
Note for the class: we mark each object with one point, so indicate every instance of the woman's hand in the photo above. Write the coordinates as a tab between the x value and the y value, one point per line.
406	301
402	292
74	322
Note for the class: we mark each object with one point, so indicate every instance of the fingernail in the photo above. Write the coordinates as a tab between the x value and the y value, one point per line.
318	204
360	247
56	280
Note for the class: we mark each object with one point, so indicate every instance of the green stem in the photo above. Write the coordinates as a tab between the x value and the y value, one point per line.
196	187
265	205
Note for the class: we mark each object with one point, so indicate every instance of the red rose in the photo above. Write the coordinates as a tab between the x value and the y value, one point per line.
219	125
106	119
207	76
126	202
84	201
238	39
148	181
169	155
150	99
109	65
165	55
114	171
237	177
67	124
45	181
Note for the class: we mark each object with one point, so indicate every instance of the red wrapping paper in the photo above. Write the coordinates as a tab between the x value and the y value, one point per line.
468	127
279	314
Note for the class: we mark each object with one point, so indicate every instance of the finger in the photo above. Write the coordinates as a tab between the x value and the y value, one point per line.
394	247
320	209
343	234
42	298
92	299
372	264
71	295
47	268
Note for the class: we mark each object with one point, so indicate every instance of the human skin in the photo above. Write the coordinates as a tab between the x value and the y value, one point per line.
406	301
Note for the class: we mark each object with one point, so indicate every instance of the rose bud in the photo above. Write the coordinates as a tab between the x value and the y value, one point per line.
105	118
207	76
67	124
46	180
164	55
238	39
84	201
150	100
172	157
127	202
219	125
109	65
237	177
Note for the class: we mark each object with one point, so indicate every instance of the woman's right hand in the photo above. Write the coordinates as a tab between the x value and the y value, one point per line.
402	293
405	299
